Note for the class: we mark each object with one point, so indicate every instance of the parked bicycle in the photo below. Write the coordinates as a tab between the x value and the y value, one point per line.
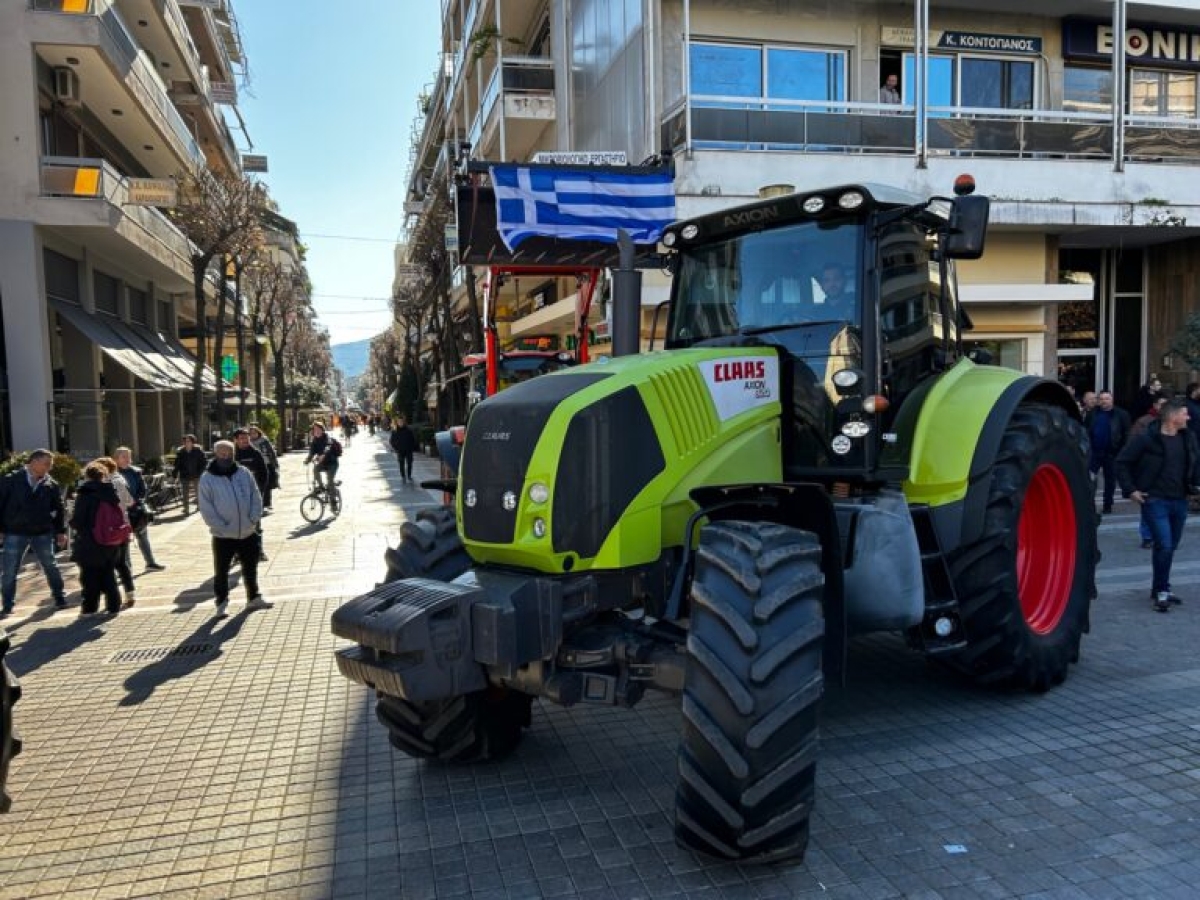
312	506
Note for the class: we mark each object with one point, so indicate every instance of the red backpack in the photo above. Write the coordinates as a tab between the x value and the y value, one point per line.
110	528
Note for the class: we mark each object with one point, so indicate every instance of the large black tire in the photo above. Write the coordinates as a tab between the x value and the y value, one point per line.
748	755
1025	588
484	725
429	548
10	740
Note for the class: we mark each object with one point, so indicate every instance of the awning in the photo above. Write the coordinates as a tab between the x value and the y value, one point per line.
157	359
100	330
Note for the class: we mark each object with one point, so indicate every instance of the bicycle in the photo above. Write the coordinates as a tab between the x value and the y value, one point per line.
312	505
162	491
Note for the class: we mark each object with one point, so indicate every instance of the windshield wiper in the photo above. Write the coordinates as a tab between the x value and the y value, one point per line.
789	326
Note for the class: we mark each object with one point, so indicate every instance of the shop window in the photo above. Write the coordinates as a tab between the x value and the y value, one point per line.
805	74
166	317
62	276
1087	90
996	83
1166	94
1007	352
726	71
941	80
755	72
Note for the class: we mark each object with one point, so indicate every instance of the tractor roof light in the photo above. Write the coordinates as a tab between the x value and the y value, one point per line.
851	200
689	232
814	204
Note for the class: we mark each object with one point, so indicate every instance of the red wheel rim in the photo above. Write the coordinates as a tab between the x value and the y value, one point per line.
1046	549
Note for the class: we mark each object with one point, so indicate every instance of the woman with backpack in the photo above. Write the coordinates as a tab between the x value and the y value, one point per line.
101	532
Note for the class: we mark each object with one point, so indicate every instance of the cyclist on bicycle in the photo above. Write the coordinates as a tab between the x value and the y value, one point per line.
326	451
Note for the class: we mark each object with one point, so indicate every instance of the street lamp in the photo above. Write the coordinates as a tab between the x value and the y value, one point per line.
259	340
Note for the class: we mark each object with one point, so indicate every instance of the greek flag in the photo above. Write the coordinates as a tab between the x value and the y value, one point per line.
580	205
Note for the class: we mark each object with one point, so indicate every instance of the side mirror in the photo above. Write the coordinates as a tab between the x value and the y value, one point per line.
968	227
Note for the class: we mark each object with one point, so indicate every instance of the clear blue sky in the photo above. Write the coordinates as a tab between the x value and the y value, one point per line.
331	102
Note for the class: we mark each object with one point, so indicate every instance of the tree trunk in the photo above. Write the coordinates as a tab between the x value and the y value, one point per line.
200	424
281	400
240	342
218	353
475	312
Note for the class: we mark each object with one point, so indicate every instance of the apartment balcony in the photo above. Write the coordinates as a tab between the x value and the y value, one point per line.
1049	158
214	33
518	106
86	200
114	79
162	32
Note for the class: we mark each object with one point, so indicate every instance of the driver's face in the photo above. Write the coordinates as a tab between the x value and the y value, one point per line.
833	282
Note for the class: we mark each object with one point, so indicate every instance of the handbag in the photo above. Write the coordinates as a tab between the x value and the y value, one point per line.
140	517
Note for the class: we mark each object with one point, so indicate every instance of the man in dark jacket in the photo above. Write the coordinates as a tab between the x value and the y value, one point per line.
1108	428
32	515
1192	398
189	466
247	456
403	443
263	445
1159	469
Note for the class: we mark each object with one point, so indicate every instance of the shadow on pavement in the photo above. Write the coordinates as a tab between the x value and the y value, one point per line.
141	684
48	644
302	531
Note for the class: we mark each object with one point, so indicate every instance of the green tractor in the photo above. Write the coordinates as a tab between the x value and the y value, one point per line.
810	458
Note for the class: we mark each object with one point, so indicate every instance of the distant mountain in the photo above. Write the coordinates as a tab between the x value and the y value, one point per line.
352	358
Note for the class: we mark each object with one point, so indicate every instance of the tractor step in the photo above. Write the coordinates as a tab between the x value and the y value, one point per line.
941	629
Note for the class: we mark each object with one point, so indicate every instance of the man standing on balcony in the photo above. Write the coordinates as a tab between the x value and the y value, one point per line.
889	91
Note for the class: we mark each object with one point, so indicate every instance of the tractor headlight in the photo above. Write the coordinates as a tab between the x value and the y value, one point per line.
539	528
846	379
688	232
814	204
851	200
669	239
539	493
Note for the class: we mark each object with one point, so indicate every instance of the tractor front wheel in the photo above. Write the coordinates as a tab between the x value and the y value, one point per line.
10	741
483	725
748	755
1025	587
429	548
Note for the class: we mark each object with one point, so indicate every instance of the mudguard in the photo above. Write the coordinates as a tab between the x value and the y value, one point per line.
958	433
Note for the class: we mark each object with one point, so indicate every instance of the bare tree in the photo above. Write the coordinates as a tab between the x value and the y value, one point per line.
266	281
218	212
282	313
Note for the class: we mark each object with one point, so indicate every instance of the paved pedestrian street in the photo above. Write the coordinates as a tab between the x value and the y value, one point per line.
171	754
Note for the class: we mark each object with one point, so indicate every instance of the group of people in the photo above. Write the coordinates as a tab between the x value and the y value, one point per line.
1155	457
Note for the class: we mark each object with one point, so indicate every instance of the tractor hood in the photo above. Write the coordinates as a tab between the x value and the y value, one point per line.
591	468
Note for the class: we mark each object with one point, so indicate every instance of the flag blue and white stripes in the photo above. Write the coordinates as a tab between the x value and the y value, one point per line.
581	205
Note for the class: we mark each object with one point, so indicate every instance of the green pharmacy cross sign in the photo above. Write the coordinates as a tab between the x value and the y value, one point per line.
229	367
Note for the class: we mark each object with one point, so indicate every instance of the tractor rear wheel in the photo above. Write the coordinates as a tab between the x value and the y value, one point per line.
483	725
10	740
429	548
748	755
1025	587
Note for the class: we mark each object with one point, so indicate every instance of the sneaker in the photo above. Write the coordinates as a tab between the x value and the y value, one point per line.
262	556
154	567
60	602
222	607
257	602
1162	602
1147	545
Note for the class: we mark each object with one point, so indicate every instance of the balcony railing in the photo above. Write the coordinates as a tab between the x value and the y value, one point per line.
134	65
738	123
516	75
64	176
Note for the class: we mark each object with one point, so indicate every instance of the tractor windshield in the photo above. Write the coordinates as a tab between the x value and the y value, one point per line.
798	283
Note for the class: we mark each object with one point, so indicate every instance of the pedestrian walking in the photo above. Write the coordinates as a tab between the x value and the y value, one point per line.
1144	399
264	446
1159	469
1139	427
326	452
403	443
140	516
247	455
1108	427
189	466
101	533
231	507
32	516
125	499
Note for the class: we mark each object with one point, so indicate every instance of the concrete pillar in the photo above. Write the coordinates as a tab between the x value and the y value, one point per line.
26	334
82	403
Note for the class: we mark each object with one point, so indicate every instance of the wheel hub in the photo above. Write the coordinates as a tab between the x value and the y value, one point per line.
1046	547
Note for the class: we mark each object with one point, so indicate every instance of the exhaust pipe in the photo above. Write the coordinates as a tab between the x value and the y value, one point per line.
626	300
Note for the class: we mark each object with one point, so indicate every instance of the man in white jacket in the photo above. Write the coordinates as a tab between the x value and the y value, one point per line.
231	506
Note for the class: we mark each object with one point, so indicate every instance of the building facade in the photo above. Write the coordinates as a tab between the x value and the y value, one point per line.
95	281
1088	144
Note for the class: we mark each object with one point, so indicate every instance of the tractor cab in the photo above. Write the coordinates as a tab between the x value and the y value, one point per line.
855	287
512	367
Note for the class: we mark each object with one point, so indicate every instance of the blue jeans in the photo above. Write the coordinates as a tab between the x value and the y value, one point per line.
1166	519
15	546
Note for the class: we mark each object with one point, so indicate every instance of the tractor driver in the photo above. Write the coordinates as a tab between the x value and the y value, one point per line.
839	301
